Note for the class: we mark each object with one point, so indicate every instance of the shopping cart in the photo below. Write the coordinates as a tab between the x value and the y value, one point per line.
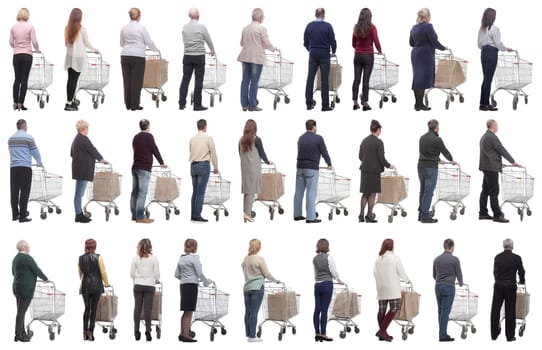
523	301
344	306
164	188
104	189
211	307
453	186
45	187
40	78
517	189
272	190
276	74
214	78
216	194
385	75
394	189
156	75
332	190
156	317
46	307
107	312
279	305
94	79
450	72
335	79
512	75
464	308
410	307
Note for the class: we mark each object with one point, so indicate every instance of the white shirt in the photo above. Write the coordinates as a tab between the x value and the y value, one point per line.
76	53
389	273
145	271
490	37
134	39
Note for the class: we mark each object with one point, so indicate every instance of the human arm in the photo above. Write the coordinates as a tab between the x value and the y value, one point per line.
411	41
103	272
354	40
332	40
401	271
35	152
306	38
445	151
521	271
259	146
36	270
133	268
380	154
333	268
323	152
147	40
199	271
499	148
496	34
122	40
178	270
212	152
34	39
459	273
11	39
265	40
434	270
265	270
156	152
433	38
86	42
376	40
90	149
156	269
207	39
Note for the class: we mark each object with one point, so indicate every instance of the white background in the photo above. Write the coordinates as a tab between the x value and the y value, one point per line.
287	246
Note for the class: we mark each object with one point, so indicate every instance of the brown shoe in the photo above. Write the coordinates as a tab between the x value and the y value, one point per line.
145	221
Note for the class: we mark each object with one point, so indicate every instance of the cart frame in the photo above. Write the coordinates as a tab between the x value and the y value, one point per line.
270	288
107	205
464	294
450	91
95	84
339	190
394	208
212	293
44	195
270	204
385	75
511	175
408	326
221	188
108	326
156	92
47	289
214	80
168	206
451	176
277	73
333	90
44	69
346	323
518	69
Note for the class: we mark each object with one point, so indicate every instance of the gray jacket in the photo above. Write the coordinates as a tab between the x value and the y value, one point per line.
491	153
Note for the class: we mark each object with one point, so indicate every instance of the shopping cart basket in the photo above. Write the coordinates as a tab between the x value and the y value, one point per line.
512	75
385	75
279	305
107	312
450	72
335	79
332	190
46	307
216	194
272	190
104	189
45	187
453	186
410	307
94	79
156	317
276	75
211	307
344	306
156	75
464	308
523	301
164	188
517	188
394	189
40	78
214	78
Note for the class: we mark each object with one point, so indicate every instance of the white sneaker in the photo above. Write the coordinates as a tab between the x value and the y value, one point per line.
254	340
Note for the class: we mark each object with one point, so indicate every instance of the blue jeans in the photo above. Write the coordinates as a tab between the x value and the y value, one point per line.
80	186
489	58
306	179
322	297
249	84
428	181
253	301
445	298
140	185
314	63
200	176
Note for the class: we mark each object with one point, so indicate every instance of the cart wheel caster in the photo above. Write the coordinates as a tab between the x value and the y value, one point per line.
167	216
529	212
521	216
154	97
426	100
259	333
385	99
337	99
275	105
158	332
29	333
287	100
432	213
380	104
157	103
50	210
283	330
281	211
526	100
338	211
280	335
473	330
461	99
453	216
332	105
42	104
58	211
104	330
515	103
404	336
164	98
411	330
294	330
390	219
223	331
395	213
345	212
226	212
112	336
356	329
462	211
147	214
220	98
464	332
348	329
212	101
176	211
342	334
102	99
272	215
493	102
317	214
77	102
51	336
330	216
95	105
452	98
43	215
88	214
403	213
521	330
212	334
447	104
393	99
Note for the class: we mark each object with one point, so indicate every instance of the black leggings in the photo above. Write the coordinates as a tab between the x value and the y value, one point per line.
73	76
89	316
143	299
22	62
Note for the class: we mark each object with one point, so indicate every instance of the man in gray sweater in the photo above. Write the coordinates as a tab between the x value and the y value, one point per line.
491	153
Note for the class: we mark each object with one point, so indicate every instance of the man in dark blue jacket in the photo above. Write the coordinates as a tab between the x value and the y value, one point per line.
319	40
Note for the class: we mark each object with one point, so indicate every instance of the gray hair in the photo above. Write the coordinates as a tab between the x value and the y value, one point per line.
193	13
508	244
432	124
257	14
490	123
21	245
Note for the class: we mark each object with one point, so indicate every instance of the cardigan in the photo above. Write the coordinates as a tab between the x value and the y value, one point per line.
319	38
22	38
76	53
255	272
389	272
25	270
365	45
84	156
145	271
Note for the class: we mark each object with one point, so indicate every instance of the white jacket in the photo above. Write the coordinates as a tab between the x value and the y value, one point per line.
389	273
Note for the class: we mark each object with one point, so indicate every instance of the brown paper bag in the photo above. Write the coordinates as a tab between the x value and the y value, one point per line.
106	186
156	313
335	77
272	187
166	189
156	71
522	305
345	305
107	308
281	306
393	190
410	306
449	74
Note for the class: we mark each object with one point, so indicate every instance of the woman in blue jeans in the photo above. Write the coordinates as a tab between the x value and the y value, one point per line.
255	271
489	41
324	273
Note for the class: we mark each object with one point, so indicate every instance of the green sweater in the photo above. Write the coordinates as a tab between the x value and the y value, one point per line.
25	270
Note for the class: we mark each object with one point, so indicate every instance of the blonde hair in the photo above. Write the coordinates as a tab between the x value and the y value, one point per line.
254	246
23	14
134	13
422	15
81	125
257	14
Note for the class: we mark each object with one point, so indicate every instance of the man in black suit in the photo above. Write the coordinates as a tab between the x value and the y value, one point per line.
505	268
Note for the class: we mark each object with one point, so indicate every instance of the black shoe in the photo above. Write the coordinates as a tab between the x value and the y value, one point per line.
70	107
25	219
325	338
82	218
22	107
137	335
501	219
447	338
326	108
315	221
429	221
186	340
21	338
16	217
311	105
181	107
355	107
200	219
361	218
511	339
489	108
148	336
138	108
485	217
299	218
366	108
370	219
200	108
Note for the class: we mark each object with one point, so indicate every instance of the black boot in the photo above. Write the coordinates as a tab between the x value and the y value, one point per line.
82	218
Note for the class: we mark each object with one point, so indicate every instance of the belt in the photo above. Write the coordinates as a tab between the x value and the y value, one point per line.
203	161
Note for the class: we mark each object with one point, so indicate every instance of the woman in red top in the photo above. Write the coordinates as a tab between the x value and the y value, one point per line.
363	38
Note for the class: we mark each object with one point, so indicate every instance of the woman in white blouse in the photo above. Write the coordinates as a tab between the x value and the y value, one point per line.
389	273
145	273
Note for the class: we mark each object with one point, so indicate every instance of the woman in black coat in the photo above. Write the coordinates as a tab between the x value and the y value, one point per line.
373	162
424	41
84	156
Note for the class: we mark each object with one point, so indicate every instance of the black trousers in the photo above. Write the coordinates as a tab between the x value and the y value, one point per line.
363	63
21	181
22	62
195	64
22	306
71	86
504	291
143	299
133	72
91	305
490	188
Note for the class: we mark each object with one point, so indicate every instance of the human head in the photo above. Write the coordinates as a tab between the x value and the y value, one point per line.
424	16
254	246
202	125
257	15
23	14
90	246
433	125
387	245
190	246
193	13
82	126
21	124
249	132
74	25
322	246
375	127
488	18
492	125
22	246
135	14
144	248
320	13
310	125
449	244
508	244
144	124
364	22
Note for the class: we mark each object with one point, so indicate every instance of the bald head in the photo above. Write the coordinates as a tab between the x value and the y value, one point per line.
193	13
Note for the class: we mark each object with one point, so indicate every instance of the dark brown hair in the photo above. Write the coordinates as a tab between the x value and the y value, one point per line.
74	26
249	132
448	244
144	248
90	246
322	246
375	125
387	244
190	245
488	18
364	23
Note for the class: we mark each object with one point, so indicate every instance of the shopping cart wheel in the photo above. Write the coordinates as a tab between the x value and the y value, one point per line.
102	99
461	99
104	330
88	214
157	102
58	210
259	332
348	329
158	332
294	330
281	211
223	331
453	216
164	98
58	328
342	334
521	330
390	218
317	214
395	212
338	211
345	212
526	99
212	101
43	215
167	216
493	102
29	333
154	97
330	216
147	213
426	100
253	214
116	211
107	213
473	329
226	212
464	331
271	214
287	99
529	212
112	336
403	213
176	211
411	330
274	104
212	334
515	103
385	98
280	335
219	97
447	104
192	334
50	210
332	104
404	336
42	104
337	99
51	336
462	211
521	216
380	104
356	329
393	99
95	104
432	212
452	98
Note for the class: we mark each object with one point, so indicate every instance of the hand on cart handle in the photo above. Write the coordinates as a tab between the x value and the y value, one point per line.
163	166
391	166
329	167
209	283
103	161
508	49
215	171
212	53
